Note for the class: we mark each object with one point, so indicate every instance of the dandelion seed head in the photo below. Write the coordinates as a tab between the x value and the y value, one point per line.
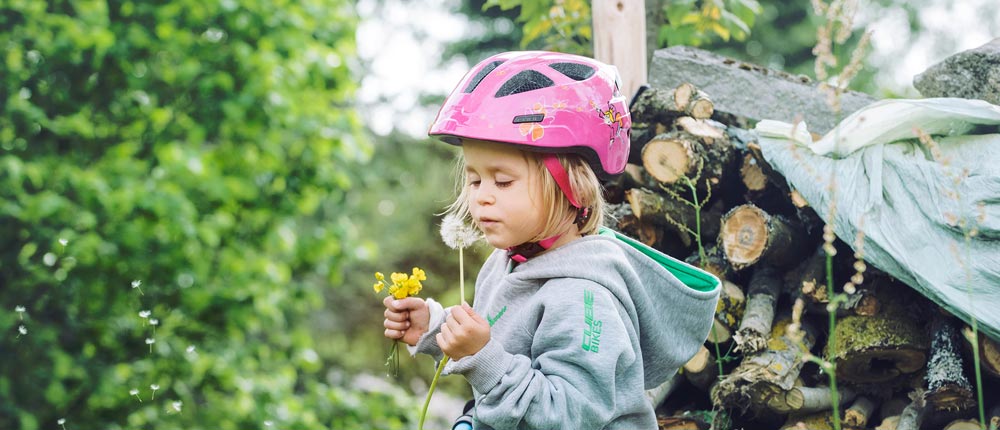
19	309
154	386
22	329
136	283
61	421
144	314
133	391
150	341
63	241
154	321
456	233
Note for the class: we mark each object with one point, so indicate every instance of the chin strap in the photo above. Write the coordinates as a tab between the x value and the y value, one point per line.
524	251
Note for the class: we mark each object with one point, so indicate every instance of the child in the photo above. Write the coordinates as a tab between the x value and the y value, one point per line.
572	322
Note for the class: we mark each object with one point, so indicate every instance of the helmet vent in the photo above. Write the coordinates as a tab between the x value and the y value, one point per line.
482	74
575	71
527	80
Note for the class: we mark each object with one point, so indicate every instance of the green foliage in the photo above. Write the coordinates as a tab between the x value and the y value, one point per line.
554	25
204	148
697	22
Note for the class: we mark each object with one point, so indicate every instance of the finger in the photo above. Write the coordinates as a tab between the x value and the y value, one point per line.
393	334
401	305
472	314
396	316
461	314
396	325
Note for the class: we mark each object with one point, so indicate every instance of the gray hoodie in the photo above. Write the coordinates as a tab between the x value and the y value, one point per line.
579	332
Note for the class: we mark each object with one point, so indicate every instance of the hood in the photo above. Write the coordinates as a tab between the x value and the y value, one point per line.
671	302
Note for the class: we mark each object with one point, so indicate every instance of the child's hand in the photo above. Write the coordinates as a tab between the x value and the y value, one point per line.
463	333
406	319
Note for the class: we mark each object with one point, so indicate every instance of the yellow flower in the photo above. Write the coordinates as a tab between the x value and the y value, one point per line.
378	286
379	276
419	274
398	278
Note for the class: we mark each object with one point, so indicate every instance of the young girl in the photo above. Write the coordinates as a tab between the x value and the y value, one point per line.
572	321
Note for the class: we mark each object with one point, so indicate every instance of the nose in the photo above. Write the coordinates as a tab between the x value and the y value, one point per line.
484	195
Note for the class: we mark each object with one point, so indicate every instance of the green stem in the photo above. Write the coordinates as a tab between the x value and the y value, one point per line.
430	392
461	275
832	367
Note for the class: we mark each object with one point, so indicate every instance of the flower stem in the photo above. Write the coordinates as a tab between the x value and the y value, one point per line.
461	275
430	392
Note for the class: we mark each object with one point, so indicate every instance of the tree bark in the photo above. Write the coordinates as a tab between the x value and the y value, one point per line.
728	313
947	386
880	349
809	399
762	299
768	373
860	412
913	414
989	351
963	425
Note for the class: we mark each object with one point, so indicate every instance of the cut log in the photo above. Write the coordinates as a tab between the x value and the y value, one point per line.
678	216
809	421
768	373
947	386
701	370
810	278
749	235
683	423
752	175
963	425
809	399
728	313
881	349
889	423
989	351
860	412
913	415
714	262
678	157
632	226
700	106
993	417
762	299
655	105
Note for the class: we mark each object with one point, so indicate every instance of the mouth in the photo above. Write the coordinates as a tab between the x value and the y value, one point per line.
487	222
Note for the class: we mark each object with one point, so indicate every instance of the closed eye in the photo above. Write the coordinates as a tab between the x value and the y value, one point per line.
504	184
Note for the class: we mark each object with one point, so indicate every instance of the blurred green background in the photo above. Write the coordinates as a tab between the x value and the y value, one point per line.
194	195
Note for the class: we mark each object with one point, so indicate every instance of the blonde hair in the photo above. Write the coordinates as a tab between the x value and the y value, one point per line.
586	188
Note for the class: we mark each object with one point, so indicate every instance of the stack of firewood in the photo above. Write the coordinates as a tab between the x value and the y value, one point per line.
698	187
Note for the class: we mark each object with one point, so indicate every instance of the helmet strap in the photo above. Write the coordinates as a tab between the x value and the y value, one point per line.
524	251
559	174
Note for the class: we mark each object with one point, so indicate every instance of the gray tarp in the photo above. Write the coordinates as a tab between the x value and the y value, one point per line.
932	224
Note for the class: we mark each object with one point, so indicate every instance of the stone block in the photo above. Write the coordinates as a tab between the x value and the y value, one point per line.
972	74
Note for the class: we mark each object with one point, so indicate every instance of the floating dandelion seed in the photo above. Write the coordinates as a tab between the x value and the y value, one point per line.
136	284
135	392
62	423
20	311
63	241
154	387
268	423
22	330
190	349
145	316
150	341
154	322
176	406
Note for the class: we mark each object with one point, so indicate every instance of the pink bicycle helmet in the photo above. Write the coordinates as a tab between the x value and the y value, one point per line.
546	101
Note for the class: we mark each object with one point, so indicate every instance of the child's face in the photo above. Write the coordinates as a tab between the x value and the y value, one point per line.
503	193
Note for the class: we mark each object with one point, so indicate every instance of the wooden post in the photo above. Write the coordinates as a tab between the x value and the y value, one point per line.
620	39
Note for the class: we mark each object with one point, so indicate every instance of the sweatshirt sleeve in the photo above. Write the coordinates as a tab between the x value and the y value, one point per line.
580	343
427	344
